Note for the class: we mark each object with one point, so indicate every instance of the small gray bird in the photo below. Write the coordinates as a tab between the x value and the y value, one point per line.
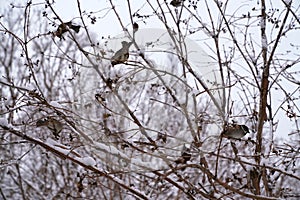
176	3
100	99
185	156
121	55
235	131
52	124
135	27
62	28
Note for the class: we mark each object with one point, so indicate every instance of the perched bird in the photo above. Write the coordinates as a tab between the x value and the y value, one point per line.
176	3
135	27
185	156
235	131
121	55
99	98
52	124
62	28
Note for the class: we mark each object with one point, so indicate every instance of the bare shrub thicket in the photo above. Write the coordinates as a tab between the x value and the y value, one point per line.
74	126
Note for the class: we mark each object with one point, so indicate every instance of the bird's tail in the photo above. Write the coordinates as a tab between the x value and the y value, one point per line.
75	28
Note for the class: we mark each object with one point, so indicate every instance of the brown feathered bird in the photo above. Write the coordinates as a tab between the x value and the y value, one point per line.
121	55
52	124
185	156
62	28
176	3
135	27
235	131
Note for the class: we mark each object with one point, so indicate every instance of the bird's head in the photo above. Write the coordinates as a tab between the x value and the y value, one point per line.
245	128
126	44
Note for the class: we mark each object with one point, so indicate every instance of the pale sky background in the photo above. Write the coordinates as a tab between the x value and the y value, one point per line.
109	26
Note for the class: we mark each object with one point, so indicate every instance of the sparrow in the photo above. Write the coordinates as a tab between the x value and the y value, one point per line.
62	28
99	98
185	156
135	27
121	55
235	131
176	3
52	124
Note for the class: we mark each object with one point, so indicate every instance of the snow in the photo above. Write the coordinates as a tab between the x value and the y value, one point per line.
264	42
60	147
81	134
56	104
3	122
120	181
110	149
89	161
195	91
138	164
249	167
266	161
52	142
288	1
198	75
262	23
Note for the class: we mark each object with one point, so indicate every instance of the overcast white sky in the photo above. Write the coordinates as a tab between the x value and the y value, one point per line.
68	9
